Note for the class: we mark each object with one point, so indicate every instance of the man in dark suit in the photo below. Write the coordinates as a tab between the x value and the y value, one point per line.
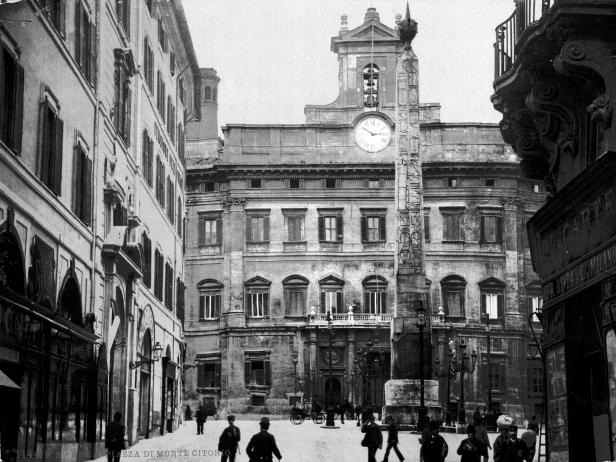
114	438
263	444
229	439
200	417
373	440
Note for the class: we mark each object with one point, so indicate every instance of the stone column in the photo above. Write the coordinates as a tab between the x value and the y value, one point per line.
233	251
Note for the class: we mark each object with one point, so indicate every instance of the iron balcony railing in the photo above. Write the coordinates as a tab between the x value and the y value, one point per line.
527	13
346	319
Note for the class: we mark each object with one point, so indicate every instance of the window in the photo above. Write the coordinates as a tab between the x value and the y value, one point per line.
158	275
181	143
171	119
373	226
496	377
56	11
147	260
180	217
162	35
181	89
257	297
210	299
123	96
492	293
294	227
160	182
82	184
51	148
210	230
120	215
179	300
490	182
373	184
295	295
257	228
147	158
208	94
452	182
160	95
11	100
208	374
170	200
257	369
330	183
491	229
330	227
172	62
294	183
371	85
255	183
453	223
535	188
331	295
453	295
215	94
536	304
375	295
535	376
168	286
123	14
85	42
148	64
427	225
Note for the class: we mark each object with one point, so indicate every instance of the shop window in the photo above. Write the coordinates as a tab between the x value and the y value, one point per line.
453	225
210	229
295	288
373	226
453	295
331	295
491	229
492	292
371	85
11	100
257	227
375	295
257	297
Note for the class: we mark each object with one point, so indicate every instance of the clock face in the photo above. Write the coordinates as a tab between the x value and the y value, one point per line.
372	134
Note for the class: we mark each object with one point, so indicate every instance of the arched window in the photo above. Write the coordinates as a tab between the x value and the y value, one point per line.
12	270
208	94
453	290
210	299
371	85
375	295
492	298
295	295
70	301
331	295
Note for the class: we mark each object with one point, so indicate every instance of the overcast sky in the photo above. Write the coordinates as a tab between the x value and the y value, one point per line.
273	56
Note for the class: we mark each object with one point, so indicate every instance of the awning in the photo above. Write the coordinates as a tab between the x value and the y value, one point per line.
6	382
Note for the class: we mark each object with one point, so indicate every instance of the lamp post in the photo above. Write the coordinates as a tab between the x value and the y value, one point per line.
450	374
330	405
295	374
421	324
486	319
464	368
158	352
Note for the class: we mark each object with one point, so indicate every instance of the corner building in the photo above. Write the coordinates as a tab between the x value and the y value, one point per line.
288	223
93	99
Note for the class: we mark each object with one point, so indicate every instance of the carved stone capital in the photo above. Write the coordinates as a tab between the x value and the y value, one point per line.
600	110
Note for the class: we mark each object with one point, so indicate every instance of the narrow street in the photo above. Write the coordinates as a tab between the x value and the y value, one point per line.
307	442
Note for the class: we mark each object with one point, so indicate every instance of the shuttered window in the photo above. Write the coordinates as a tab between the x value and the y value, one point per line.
51	148
168	286
123	101
209	306
373	227
148	64
170	200
257	228
123	14
82	185
257	371
210	230
85	42
160	182
492	292
147	260
453	223
147	158
330	228
208	375
56	11
11	100
453	296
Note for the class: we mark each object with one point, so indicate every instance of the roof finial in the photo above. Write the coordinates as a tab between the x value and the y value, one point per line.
408	11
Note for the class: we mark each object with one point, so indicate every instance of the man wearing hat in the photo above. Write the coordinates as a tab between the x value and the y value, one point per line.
229	440
263	444
434	448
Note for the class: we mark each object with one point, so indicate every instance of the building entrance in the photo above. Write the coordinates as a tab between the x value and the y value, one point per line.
333	391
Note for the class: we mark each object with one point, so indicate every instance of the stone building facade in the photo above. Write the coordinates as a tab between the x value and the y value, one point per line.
94	97
292	225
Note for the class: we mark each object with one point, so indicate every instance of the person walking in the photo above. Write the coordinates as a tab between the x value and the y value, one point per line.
263	444
434	448
373	438
500	444
516	448
187	413
533	425
114	438
200	417
481	433
530	439
392	439
471	449
229	441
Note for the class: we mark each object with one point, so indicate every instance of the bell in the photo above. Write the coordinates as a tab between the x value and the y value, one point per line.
370	82
370	101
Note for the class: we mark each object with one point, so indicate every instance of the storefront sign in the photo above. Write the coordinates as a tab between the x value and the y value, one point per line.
558	438
554	324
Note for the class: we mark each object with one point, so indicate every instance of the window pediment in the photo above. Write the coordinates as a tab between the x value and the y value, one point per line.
295	280
331	281
209	284
492	283
373	281
454	280
258	281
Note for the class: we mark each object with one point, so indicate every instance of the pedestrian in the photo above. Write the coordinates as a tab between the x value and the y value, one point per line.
481	433
392	439
533	425
341	410
425	431
357	412
373	438
471	449
530	439
476	415
500	443
229	440
516	448
434	448
188	413
263	444
114	438
200	417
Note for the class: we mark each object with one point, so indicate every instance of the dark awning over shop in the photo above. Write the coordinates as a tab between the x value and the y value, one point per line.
6	382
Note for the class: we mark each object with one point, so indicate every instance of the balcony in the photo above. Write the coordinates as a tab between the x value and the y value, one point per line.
352	319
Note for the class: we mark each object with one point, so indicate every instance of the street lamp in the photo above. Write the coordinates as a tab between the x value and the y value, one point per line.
464	368
421	324
295	373
450	374
489	418
330	405
158	352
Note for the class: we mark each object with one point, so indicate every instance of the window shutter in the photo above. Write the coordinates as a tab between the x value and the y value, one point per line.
201	375
382	233
482	227
321	228
500	311
499	229
128	117
266	304
144	153
247	365
366	184
266	226
339	230
267	371
93	54
427	228
201	232
88	191
77	180
483	303
219	231
366	302
62	17
323	308
248	229
78	31
381	182
383	302
150	161
201	307
364	228
57	182
248	296
339	302
217	305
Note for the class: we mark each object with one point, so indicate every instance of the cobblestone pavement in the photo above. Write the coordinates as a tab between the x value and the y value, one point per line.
307	442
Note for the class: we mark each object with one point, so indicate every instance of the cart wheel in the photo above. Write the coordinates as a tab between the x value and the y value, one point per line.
318	419
297	419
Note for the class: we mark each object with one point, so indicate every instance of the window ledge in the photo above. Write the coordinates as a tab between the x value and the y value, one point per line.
253	387
208	390
452	242
209	319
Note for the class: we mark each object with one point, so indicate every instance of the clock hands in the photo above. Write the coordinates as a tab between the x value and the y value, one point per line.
374	133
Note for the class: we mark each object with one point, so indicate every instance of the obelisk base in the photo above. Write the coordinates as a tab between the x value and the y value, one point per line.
403	399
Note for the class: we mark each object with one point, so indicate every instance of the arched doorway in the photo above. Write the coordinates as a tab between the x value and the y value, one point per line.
333	391
144	385
117	357
168	393
69	304
12	269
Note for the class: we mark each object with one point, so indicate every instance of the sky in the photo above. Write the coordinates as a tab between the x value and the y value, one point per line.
273	56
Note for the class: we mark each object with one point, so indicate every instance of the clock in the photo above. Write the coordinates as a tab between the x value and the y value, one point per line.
372	134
